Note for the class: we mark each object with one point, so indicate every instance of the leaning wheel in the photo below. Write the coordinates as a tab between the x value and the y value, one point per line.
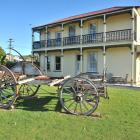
8	88
27	90
79	96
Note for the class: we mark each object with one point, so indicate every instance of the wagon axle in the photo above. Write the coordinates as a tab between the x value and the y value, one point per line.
78	98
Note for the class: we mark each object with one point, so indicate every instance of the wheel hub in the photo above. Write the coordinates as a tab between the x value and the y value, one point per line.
78	98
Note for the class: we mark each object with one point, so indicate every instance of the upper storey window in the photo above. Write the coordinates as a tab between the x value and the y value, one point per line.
57	35
48	39
48	35
72	30
57	63
58	38
92	28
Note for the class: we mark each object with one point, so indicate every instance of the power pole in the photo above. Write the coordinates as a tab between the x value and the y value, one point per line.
10	48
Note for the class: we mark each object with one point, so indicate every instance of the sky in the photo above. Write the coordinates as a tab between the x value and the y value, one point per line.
19	16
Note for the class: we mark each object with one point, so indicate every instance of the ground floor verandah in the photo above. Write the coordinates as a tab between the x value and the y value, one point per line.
115	60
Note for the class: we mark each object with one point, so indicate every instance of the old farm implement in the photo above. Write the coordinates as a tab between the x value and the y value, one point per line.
78	95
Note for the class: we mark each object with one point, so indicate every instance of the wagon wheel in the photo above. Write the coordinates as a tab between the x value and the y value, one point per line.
79	96
8	88
27	90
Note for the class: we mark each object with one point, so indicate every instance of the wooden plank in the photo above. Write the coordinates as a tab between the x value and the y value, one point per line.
26	81
47	82
57	81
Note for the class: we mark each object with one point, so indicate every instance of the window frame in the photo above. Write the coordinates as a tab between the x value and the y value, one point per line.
92	31
48	63
91	64
72	33
59	63
48	39
58	39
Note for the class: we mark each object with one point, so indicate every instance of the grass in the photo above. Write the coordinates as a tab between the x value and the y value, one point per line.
42	118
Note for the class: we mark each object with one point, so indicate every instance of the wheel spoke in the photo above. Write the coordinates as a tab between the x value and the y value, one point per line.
7	91
81	108
66	88
4	98
75	107
29	87
70	104
83	92
85	106
91	102
73	90
69	100
26	91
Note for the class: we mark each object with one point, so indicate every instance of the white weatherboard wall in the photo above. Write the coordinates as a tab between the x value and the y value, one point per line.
118	61
119	22
53	72
70	63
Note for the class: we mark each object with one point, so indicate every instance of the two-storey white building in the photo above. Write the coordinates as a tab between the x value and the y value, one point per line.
91	42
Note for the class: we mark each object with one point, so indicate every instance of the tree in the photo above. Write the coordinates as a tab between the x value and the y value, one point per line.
2	53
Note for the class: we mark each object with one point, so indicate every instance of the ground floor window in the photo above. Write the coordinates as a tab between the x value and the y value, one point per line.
92	62
57	63
78	64
48	63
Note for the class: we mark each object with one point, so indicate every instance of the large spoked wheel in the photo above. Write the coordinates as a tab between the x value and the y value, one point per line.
26	90
79	96
8	88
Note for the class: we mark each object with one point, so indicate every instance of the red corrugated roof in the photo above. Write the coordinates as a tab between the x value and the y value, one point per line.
108	10
88	14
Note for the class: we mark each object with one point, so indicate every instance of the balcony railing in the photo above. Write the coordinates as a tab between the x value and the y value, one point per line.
36	45
92	38
39	44
118	35
54	42
73	40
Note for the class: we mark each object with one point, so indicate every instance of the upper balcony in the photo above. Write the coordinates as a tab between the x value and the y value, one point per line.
96	38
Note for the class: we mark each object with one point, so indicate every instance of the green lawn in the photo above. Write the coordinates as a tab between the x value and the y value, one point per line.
43	119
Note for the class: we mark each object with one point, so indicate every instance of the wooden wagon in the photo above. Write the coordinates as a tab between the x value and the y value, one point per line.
78	95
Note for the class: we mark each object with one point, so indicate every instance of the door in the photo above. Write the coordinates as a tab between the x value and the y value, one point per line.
71	31
58	38
92	31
